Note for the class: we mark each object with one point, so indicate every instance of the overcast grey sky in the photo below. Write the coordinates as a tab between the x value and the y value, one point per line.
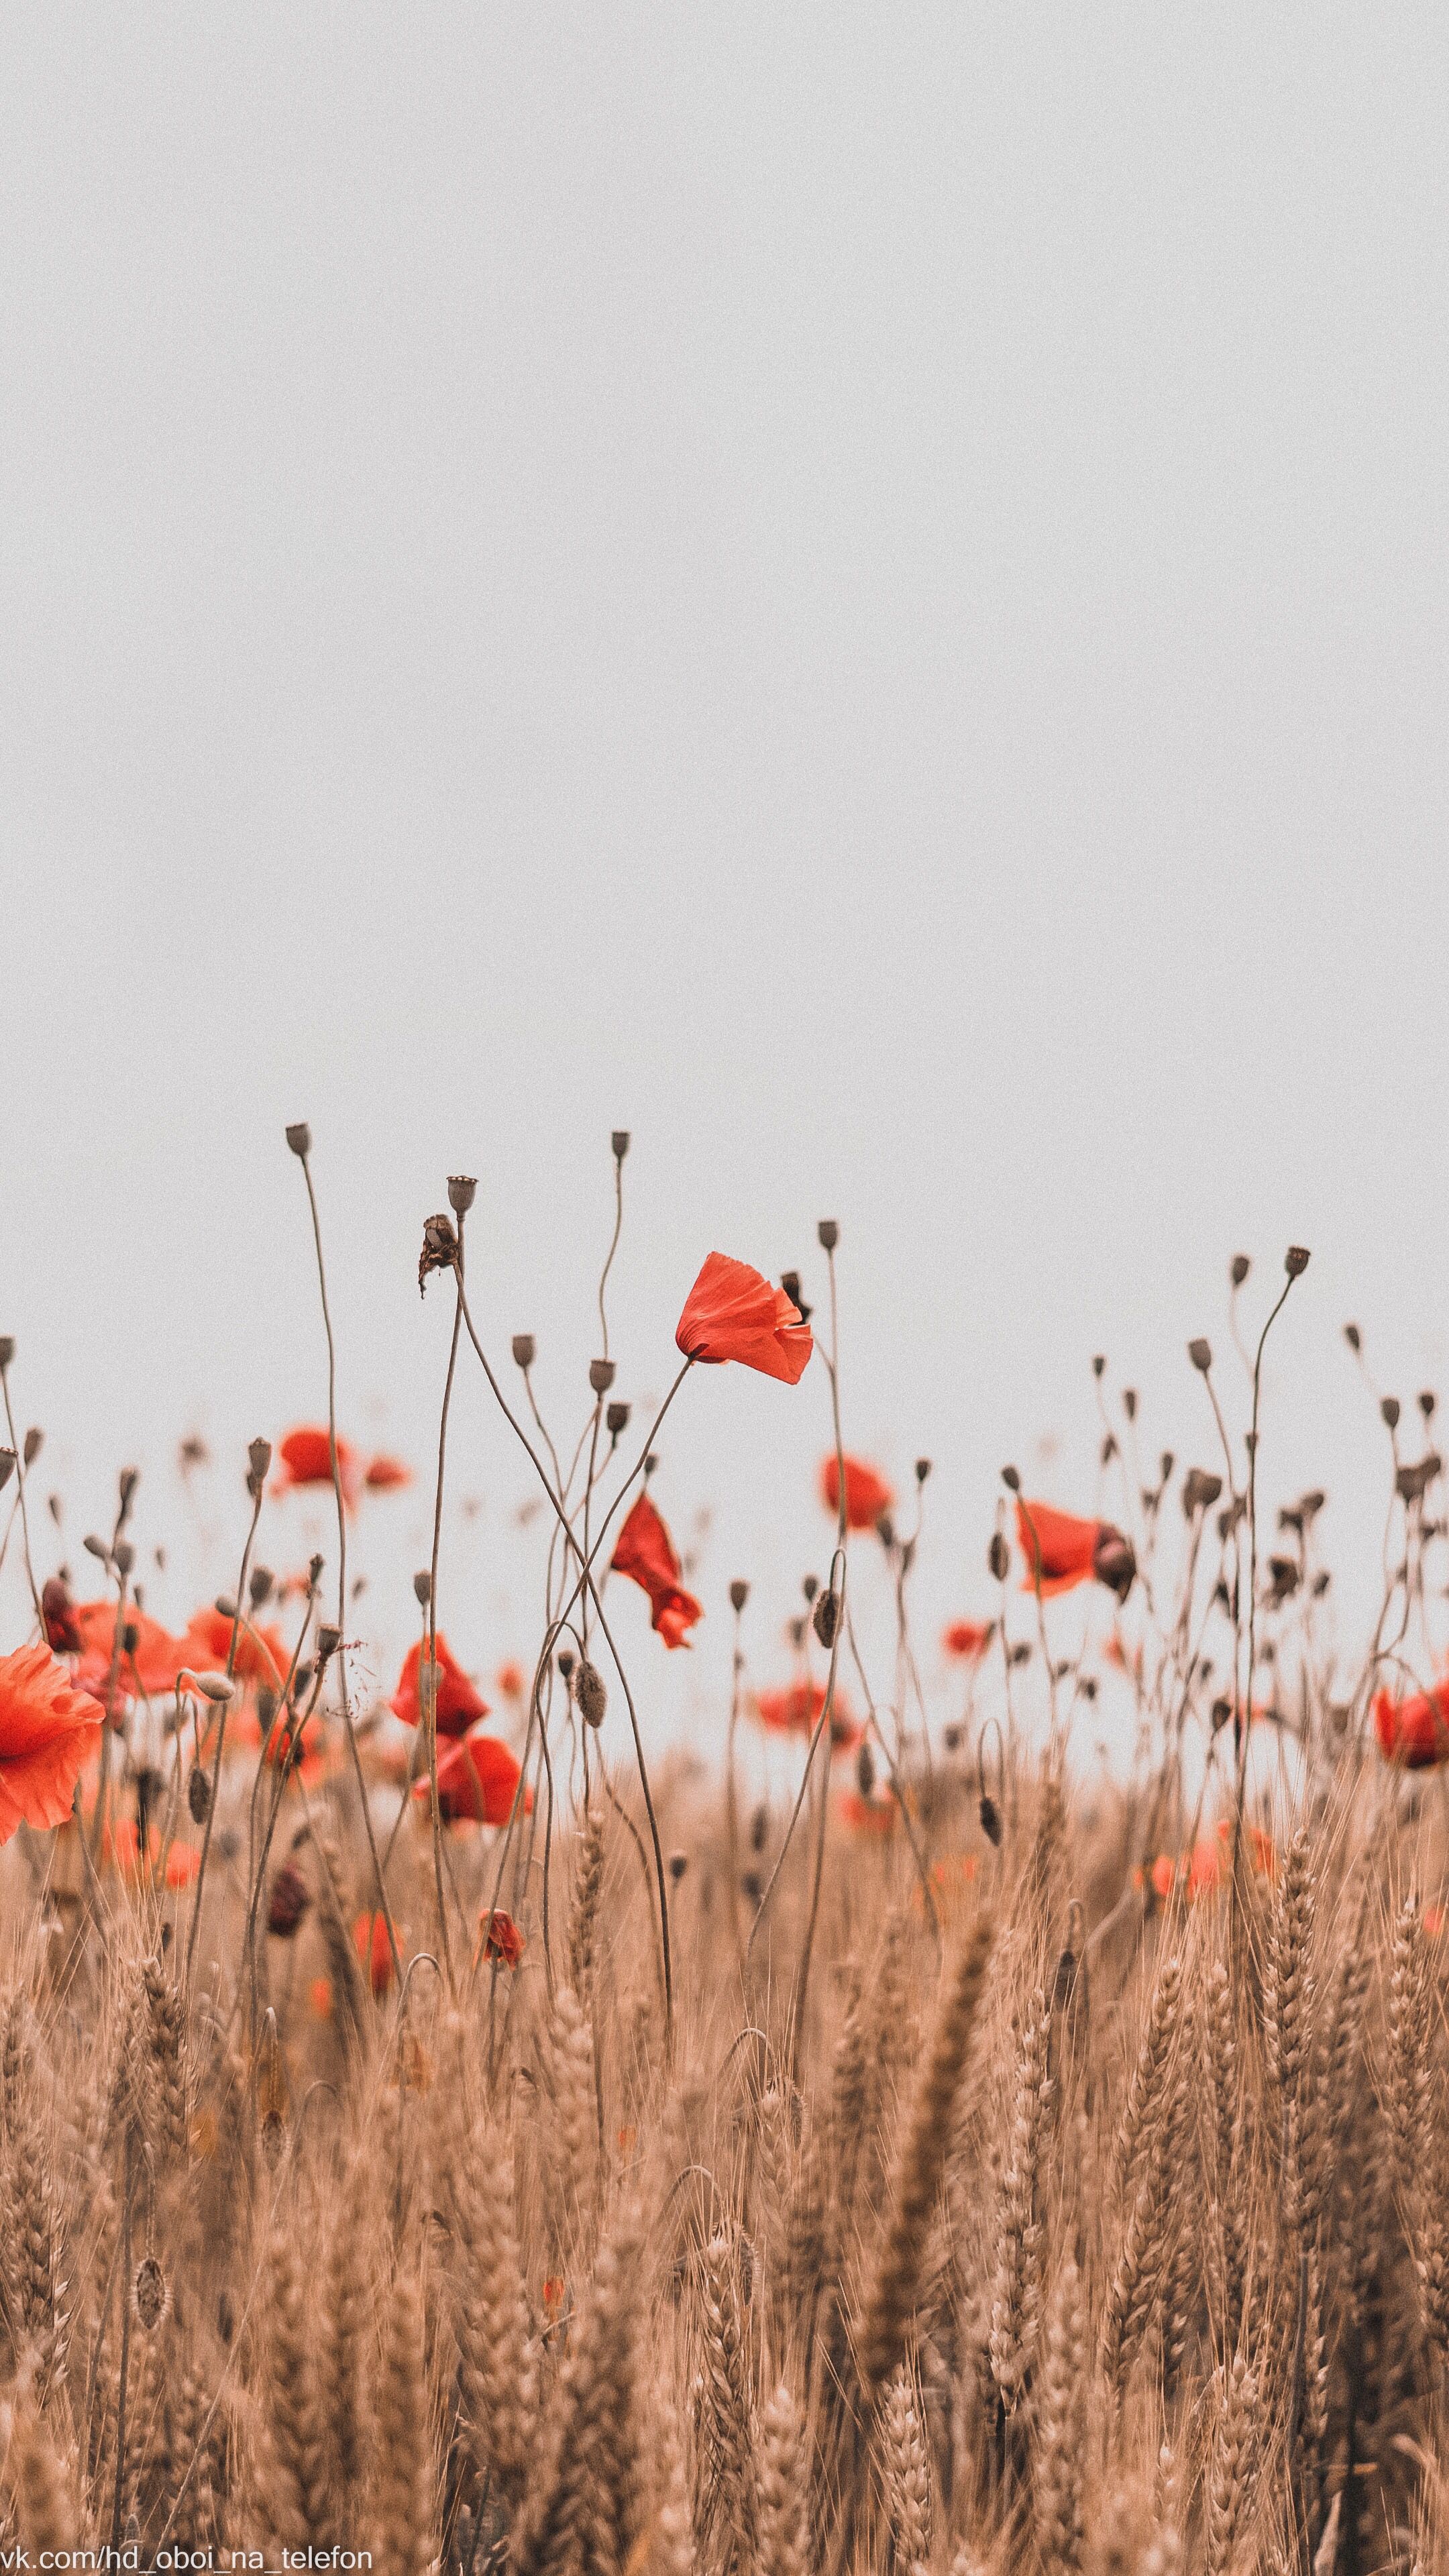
860	592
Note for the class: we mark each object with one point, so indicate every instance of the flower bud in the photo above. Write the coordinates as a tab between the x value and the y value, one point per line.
1240	1268
299	1137
827	1617
524	1350
678	1864
1200	1352
1011	1480
224	1606
1295	1260
998	1557
423	1587
261	1586
1129	1402
810	1586
991	1819
1099	1363
93	1546
123	1555
865	1771
198	1794
1390	1411
1427	1402
288	1902
590	1696
827	1234
1353	1337
566	1664
130	1637
602	1374
739	1595
34	1443
7	1351
212	1686
130	1478
923	1469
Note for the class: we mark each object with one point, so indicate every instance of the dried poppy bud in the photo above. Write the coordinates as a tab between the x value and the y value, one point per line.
525	1350
423	1587
260	1588
1222	1711
739	1595
212	1686
991	1819
1099	1363
566	1663
602	1374
827	1617
7	1467
299	1138
7	1351
129	1479
1321	1583
1109	1449
752	1886
827	1234
1199	1491
885	1529
923	1469
259	1458
314	1572
1166	1463
1353	1337
1239	1269
1022	1654
678	1864
795	1631
1129	1402
32	1445
865	1771
951	1738
1011	1480
809	1585
461	1192
1427	1401
224	1606
1200	1352
130	1636
198	1794
1295	1260
328	1641
440	1248
619	1142
288	1902
590	1696
998	1557
1390	1411
1113	1562
302	1679
759	1828
93	1546
150	2293
617	1419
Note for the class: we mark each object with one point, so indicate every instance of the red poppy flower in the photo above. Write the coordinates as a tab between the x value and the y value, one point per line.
733	1313
47	1728
867	1494
1164	1875
499	1938
1414	1733
477	1778
460	1701
967	1639
152	1663
183	1862
645	1553
1062	1551
369	1932
262	1654
306	1456
385	1475
867	1815
58	1611
795	1710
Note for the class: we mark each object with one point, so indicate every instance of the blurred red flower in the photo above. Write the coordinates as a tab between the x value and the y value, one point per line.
183	1862
867	1815
47	1728
306	1456
385	1475
966	1639
460	1701
499	1938
645	1553
262	1654
152	1664
1414	1733
867	1494
369	1932
733	1313
1061	1551
477	1778
795	1710
511	1680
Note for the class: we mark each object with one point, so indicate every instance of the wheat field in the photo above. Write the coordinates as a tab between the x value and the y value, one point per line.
970	2163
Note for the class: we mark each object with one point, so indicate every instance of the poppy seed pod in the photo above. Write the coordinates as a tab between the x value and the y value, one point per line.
149	2293
328	1641
1295	1260
1113	1562
34	1443
93	1546
991	1819
1099	1363
810	1586
617	1419
7	1351
1129	1402
923	1469
224	1606
795	1631
998	1558
1239	1268
1427	1402
123	1555
619	1143
525	1350
1390	1411
302	1681
678	1864
198	1794
602	1374
260	1587
288	1902
865	1771
299	1137
566	1664
739	1595
1353	1337
1200	1352
827	1234
951	1738
423	1587
462	1191
590	1696
885	1529
259	1458
7	1467
759	1827
827	1617
129	1479
1011	1480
